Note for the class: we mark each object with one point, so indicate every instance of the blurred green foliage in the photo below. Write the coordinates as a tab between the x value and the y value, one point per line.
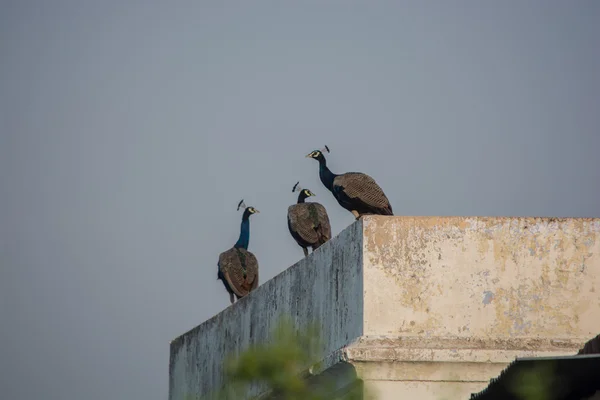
535	384
282	367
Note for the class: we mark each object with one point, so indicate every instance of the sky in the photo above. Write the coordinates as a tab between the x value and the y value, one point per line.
130	130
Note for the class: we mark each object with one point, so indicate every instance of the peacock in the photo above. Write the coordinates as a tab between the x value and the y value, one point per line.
308	222
354	191
237	267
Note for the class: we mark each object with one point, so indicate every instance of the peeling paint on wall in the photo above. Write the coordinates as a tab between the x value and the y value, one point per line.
487	297
538	276
408	300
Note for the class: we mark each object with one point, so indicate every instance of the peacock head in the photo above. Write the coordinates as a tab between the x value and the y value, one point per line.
304	193
318	154
308	193
247	210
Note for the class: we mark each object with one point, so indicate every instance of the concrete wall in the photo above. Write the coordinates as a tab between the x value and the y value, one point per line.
449	302
423	307
482	278
325	287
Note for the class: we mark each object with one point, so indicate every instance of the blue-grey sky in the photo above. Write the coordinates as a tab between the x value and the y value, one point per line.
131	129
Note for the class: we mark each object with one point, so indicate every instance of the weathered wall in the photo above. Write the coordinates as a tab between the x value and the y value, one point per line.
449	302
325	287
482	278
426	307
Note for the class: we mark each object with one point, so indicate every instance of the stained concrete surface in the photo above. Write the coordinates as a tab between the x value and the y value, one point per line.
427	307
325	287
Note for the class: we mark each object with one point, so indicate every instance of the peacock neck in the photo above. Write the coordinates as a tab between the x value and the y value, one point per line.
244	239
325	174
301	197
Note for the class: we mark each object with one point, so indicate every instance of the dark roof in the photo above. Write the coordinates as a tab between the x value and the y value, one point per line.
591	347
562	378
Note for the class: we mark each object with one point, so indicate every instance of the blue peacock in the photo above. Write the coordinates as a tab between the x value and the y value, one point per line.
354	191
237	267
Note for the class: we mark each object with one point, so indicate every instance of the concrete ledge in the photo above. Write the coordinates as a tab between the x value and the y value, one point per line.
412	349
419	306
326	287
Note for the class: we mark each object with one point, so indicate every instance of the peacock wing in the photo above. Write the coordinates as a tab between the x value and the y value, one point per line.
251	272
362	187
323	218
302	223
240	269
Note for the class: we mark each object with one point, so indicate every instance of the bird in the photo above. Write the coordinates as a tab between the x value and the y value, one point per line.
237	267
308	222
354	191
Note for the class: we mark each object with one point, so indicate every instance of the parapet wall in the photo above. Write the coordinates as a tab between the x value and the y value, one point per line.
325	288
420	306
478	278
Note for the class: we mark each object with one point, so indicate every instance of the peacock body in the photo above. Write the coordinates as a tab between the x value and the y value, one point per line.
355	191
308	222
237	267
